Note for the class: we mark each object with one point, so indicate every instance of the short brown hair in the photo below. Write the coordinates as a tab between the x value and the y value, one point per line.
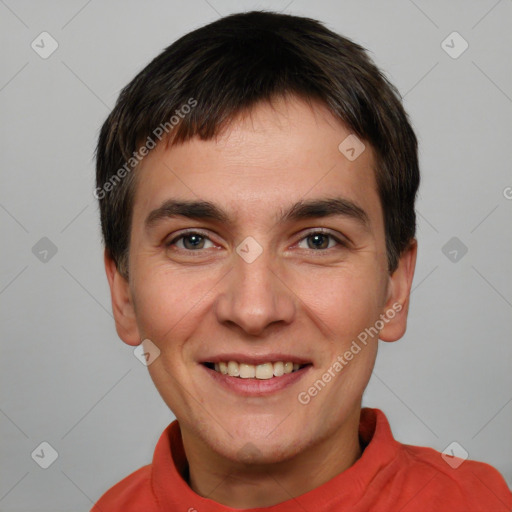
229	66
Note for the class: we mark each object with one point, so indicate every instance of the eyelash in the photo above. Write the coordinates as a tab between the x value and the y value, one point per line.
318	231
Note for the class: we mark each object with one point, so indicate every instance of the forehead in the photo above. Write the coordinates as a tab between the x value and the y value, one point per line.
262	162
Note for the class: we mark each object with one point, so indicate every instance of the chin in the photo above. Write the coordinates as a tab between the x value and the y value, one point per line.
247	448
261	453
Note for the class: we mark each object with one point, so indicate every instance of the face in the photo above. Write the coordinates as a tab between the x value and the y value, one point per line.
287	264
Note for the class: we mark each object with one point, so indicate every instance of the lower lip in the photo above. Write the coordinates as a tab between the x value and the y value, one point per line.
257	387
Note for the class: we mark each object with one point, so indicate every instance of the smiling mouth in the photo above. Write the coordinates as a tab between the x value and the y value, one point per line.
262	371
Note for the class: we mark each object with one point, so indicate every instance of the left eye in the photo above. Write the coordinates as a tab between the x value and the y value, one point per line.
320	240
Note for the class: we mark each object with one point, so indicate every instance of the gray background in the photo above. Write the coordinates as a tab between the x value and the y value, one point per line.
66	377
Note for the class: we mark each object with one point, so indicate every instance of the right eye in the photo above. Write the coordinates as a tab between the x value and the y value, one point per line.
191	241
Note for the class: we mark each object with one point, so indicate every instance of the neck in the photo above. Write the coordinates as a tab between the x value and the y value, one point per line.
240	485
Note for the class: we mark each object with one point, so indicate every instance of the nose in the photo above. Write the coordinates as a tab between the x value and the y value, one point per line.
255	295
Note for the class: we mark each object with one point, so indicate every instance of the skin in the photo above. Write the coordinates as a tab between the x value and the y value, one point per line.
293	298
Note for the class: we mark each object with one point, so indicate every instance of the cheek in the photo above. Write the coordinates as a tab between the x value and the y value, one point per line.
163	302
345	301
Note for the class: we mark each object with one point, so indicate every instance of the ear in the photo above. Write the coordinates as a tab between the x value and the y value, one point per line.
122	303
399	290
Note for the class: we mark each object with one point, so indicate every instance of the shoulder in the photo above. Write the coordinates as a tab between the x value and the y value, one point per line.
133	493
450	483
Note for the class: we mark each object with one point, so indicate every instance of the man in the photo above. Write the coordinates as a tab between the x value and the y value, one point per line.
256	185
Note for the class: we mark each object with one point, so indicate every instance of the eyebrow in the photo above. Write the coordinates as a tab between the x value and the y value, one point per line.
205	210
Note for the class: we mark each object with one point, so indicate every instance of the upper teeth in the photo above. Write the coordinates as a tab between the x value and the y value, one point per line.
259	371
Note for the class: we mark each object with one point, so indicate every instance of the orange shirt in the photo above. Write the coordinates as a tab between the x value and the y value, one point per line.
389	476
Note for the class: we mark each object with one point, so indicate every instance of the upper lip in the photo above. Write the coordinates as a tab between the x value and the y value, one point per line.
256	359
